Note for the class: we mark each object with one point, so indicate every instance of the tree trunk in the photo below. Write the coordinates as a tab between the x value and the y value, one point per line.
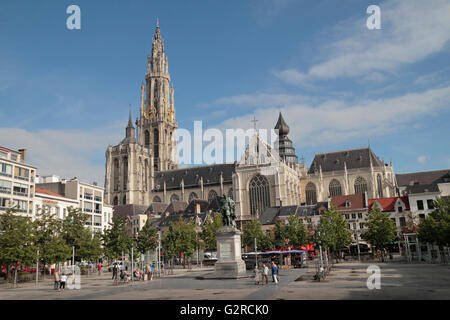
15	276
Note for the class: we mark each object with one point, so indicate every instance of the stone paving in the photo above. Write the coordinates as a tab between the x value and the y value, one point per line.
346	281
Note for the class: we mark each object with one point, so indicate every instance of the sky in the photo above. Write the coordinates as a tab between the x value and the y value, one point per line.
65	94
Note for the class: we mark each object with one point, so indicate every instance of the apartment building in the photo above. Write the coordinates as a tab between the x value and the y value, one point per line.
17	182
90	199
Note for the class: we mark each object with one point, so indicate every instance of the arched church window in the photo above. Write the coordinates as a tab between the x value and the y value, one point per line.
379	186
116	174
335	188
311	194
116	201
193	196
147	138
156	199
259	195
360	185
155	149
124	200
174	197
125	173
212	196
145	175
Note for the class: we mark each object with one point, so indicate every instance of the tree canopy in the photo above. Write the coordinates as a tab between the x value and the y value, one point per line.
252	230
332	232
380	228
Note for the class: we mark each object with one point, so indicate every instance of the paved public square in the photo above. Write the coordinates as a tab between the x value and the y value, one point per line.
346	281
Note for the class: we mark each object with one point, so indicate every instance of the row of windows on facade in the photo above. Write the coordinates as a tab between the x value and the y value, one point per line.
21	205
335	189
18	189
20	173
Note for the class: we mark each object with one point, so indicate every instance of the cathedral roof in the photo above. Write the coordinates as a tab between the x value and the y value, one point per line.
353	158
126	210
191	176
427	177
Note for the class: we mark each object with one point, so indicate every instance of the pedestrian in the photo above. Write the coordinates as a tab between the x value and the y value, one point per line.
57	279
265	275
152	269
162	267
114	270
99	267
256	273
63	282
274	272
122	276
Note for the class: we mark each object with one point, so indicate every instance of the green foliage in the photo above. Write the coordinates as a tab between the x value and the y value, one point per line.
332	232
435	228
209	229
17	239
52	247
252	230
147	238
380	228
292	234
116	240
180	238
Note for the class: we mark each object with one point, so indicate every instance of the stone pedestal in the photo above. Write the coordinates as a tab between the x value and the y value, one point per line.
229	260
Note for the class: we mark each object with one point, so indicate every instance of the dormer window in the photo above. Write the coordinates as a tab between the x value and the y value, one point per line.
348	204
400	209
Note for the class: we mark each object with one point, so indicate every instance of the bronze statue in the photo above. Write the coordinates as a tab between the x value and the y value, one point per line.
226	208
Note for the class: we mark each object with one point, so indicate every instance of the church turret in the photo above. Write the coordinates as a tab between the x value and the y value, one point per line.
284	144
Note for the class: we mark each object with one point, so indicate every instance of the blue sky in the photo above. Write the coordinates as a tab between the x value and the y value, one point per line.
65	94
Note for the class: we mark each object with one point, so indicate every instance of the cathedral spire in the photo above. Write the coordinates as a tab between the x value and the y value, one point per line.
284	144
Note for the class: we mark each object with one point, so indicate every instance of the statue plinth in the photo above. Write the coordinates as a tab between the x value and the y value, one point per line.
229	259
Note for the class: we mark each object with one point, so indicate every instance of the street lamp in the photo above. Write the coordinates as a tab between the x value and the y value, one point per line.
357	244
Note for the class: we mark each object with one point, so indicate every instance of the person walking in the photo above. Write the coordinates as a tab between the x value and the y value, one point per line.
99	268
256	274
152	268
114	270
274	272
57	279
62	282
265	275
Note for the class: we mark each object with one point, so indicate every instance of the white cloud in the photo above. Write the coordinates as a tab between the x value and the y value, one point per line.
335	121
411	31
422	159
66	153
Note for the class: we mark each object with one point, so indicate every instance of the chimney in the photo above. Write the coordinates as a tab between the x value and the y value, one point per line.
197	208
23	154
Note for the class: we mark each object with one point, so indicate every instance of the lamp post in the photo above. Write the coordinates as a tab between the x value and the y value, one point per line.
357	244
256	255
37	267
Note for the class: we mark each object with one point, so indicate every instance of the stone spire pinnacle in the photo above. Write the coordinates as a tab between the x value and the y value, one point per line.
130	123
283	128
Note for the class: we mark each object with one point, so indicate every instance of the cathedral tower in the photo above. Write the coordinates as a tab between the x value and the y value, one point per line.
157	125
284	144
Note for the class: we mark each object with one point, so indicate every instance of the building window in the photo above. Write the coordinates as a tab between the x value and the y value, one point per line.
124	200
147	138
6	170
116	201
360	185
174	197
379	186
335	188
430	204
402	221
125	173
156	199
420	204
422	216
347	216
395	222
212	195
400	209
361	225
360	215
259	195
353	215
116	174
193	196
5	186
311	195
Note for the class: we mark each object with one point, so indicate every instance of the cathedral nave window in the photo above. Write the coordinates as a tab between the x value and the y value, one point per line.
335	188
311	195
360	185
259	195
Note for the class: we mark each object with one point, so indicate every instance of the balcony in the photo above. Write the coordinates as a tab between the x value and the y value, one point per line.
5	174
21	178
99	199
88	196
87	210
22	194
98	211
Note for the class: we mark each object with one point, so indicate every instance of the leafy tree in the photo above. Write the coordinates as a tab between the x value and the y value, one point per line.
116	240
380	229
435	228
17	241
292	234
209	229
147	238
90	246
180	238
52	247
252	230
331	232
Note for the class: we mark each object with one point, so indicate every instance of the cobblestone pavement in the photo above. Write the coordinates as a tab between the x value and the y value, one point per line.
346	281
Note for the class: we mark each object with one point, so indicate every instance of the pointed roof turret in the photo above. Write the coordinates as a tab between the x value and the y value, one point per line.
130	136
281	126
